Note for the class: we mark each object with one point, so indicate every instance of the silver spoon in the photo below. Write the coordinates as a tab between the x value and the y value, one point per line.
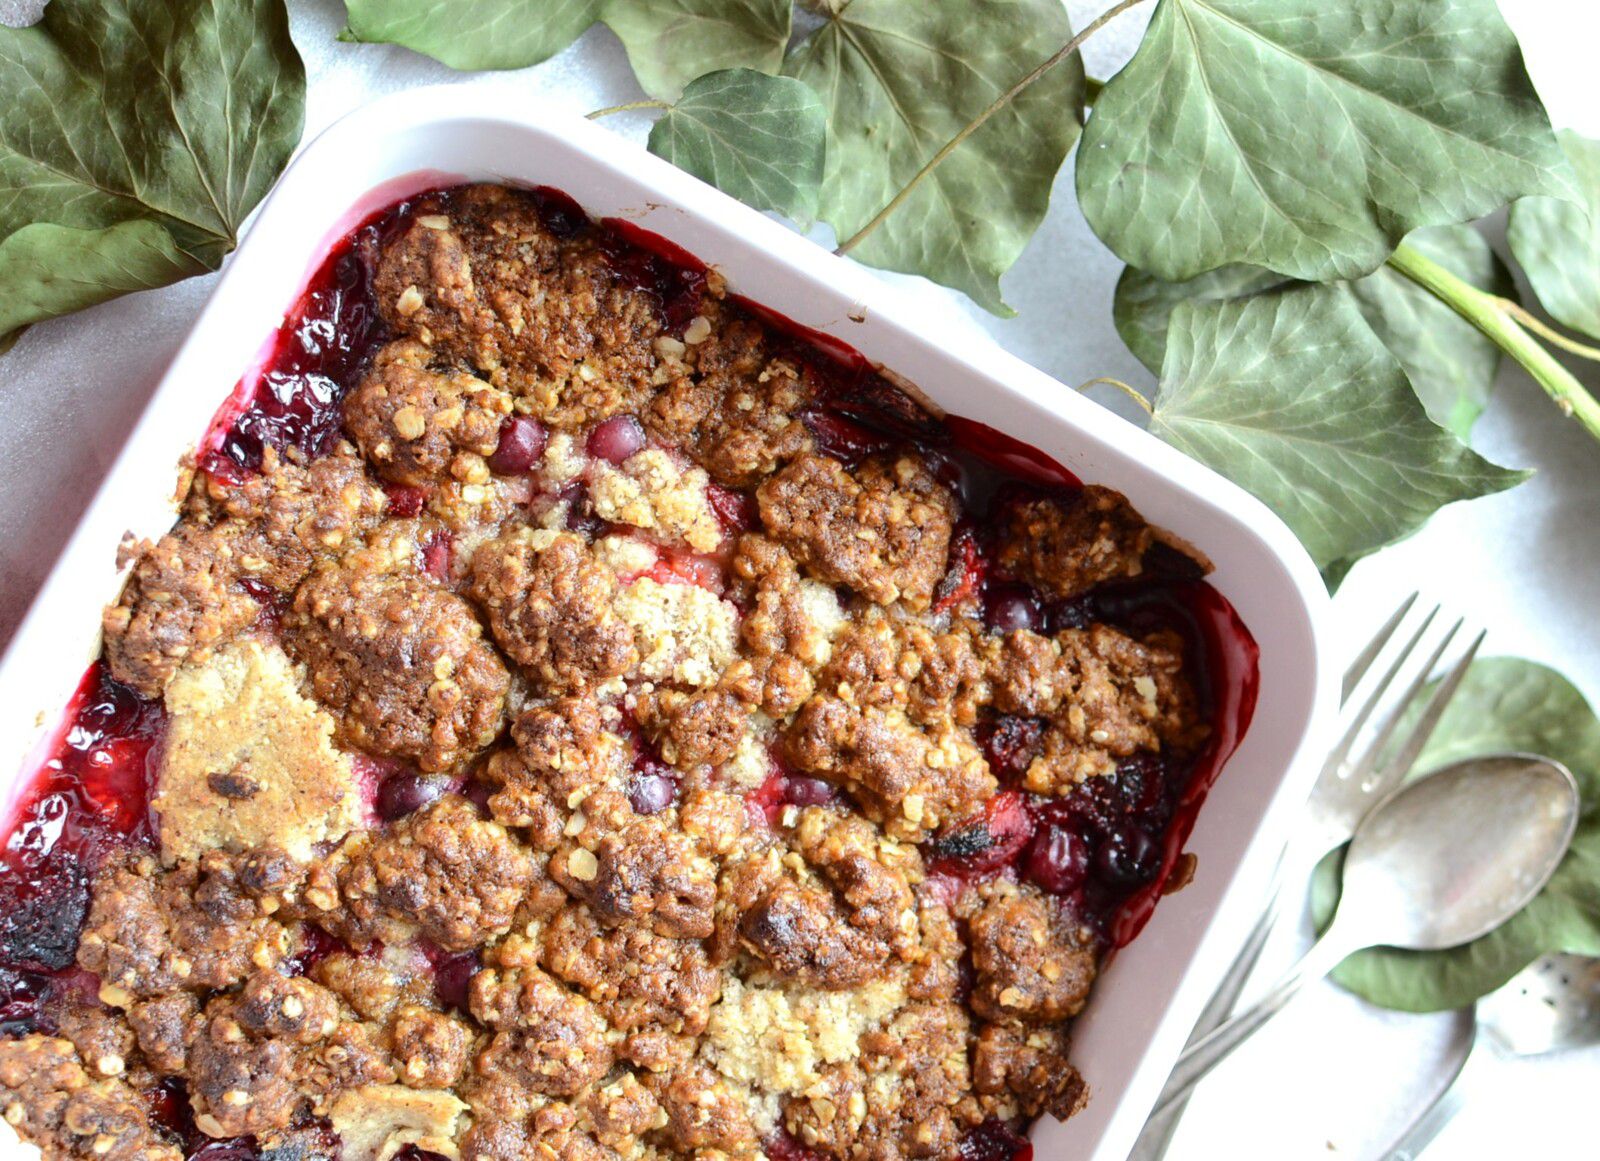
1438	863
1551	1006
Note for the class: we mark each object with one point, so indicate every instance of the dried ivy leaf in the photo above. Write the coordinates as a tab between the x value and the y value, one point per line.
899	81
1504	704
671	42
1451	364
1292	396
1558	241
134	139
1290	134
473	34
761	139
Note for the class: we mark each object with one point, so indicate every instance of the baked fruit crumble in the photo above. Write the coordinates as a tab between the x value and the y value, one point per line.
580	715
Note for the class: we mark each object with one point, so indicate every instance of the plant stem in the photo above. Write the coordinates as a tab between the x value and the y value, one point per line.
981	119
627	107
1488	313
1130	392
1547	332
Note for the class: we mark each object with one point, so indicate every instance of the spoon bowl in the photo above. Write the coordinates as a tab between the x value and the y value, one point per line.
1448	858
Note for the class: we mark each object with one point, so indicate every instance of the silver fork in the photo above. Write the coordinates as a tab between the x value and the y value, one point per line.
1343	793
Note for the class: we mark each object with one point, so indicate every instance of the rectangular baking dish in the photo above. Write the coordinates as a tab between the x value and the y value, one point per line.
1149	995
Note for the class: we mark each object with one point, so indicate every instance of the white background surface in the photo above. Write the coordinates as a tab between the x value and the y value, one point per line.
1332	1077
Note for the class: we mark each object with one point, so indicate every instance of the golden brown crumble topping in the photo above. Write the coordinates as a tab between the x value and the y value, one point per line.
624	796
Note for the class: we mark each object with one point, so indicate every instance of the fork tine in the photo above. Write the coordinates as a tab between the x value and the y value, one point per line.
1364	659
1392	771
1429	721
1342	751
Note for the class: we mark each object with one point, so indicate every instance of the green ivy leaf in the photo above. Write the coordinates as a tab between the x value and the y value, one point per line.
900	78
670	42
1450	362
474	34
1291	134
1558	242
762	139
1504	704
134	139
1291	395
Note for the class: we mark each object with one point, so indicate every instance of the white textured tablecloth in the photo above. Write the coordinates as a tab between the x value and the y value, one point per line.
1331	1077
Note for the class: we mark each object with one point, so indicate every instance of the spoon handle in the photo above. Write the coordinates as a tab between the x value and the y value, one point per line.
1205	1054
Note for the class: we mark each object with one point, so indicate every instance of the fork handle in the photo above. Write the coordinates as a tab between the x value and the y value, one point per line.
1204	1055
1156	1136
1432	1120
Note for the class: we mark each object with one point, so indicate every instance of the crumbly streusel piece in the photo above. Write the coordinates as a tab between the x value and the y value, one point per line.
831	918
906	1097
1109	696
482	278
69	1112
292	513
1024	1072
444	871
739	413
547	1041
647	986
202	925
181	600
647	873
882	529
417	425
1033	967
273	1050
564	753
787	630
1066	546
911	781
400	662
552	608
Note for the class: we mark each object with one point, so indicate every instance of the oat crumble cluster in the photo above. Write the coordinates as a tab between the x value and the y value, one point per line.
586	756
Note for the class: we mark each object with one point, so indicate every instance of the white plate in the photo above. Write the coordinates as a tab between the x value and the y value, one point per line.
1147	999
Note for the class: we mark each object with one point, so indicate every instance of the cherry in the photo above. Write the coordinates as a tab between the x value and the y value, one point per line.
522	441
1128	856
651	791
1010	745
735	510
451	975
1007	608
994	1141
987	842
616	439
963	580
1057	860
436	551
782	1147
404	500
406	793
801	790
841	437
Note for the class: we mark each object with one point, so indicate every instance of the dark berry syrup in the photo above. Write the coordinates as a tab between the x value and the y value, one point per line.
1105	852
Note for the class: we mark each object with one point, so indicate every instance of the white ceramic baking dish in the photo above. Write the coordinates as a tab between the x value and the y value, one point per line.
1148	997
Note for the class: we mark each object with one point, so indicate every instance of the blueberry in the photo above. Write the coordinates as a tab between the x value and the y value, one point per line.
1127	857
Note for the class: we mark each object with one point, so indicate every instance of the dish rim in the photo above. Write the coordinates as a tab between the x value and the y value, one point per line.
1262	569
